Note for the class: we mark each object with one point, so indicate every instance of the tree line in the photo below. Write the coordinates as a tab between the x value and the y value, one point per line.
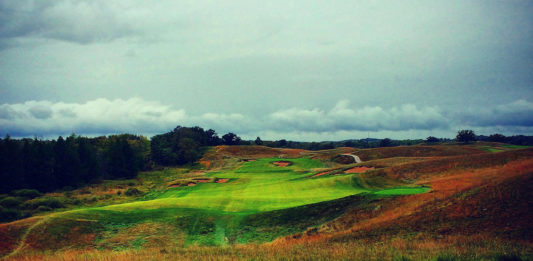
65	163
48	165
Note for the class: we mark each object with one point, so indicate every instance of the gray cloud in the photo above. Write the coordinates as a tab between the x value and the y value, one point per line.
518	114
136	115
366	118
40	112
103	116
275	68
73	21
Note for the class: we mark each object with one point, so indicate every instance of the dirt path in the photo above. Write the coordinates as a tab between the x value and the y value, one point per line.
23	238
356	158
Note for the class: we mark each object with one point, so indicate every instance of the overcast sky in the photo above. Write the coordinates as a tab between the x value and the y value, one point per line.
300	70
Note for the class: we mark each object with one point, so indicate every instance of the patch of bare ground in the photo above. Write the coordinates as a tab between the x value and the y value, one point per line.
221	180
282	163
358	169
320	174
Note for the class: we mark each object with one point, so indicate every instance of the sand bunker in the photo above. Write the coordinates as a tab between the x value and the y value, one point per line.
358	169
191	184
282	163
222	180
321	174
202	180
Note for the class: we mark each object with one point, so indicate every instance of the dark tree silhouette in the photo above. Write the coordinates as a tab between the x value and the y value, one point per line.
385	142
466	136
231	139
497	138
432	139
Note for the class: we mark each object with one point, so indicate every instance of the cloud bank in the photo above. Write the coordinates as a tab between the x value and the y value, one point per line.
80	22
136	115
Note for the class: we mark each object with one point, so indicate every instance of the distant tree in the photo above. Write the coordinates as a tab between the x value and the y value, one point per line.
328	146
466	136
231	139
314	146
432	139
258	141
349	143
385	142
497	138
189	151
281	143
212	138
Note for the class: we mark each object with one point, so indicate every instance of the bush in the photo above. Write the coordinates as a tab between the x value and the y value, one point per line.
10	202
508	258
68	194
71	201
44	208
132	192
48	202
91	199
7	214
27	193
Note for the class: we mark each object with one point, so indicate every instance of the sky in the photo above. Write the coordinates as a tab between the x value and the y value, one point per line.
299	70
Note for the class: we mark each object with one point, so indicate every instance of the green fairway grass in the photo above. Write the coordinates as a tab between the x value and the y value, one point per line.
401	191
255	186
259	202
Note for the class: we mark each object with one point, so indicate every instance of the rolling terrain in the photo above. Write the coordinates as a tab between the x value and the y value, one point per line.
440	202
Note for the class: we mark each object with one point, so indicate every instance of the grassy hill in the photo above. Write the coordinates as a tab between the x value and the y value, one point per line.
254	202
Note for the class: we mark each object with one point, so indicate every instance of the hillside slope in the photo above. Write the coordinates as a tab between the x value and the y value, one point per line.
477	206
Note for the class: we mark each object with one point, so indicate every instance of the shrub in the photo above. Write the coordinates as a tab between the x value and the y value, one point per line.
91	199
132	192
27	193
44	208
10	202
7	214
508	258
47	201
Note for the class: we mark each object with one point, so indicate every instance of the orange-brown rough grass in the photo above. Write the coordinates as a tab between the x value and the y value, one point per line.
478	208
358	169
475	247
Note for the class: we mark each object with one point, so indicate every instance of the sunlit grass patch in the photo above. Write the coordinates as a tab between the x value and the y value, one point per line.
401	191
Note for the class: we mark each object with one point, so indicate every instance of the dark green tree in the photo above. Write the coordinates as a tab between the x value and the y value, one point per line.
465	136
231	139
281	143
258	141
497	138
385	142
432	139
